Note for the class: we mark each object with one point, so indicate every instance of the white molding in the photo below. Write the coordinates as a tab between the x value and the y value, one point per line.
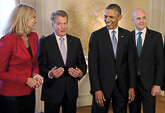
149	13
156	15
156	18
47	7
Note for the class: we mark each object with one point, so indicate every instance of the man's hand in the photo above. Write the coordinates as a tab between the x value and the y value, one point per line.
99	98
155	90
56	72
75	72
131	95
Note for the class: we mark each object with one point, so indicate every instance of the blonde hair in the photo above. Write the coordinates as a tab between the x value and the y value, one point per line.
17	22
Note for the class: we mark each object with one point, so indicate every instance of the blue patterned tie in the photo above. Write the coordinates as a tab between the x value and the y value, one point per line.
139	44
114	42
63	50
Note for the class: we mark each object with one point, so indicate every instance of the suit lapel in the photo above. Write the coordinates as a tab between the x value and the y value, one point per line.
55	46
146	42
108	41
32	45
69	49
134	42
109	45
120	37
22	46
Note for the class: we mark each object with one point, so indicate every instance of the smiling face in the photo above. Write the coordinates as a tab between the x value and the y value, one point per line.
60	25
111	18
31	22
139	19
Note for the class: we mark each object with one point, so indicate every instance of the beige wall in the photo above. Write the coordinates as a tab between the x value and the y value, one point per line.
86	16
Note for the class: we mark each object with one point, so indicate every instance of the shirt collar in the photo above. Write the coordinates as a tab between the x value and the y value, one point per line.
143	31
110	30
57	37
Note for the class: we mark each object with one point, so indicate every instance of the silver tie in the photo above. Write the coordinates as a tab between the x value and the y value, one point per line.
63	49
114	42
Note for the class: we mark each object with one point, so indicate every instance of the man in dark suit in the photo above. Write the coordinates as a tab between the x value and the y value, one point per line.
111	64
163	87
148	47
62	64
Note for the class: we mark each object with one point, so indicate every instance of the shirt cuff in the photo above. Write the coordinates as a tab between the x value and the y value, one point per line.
49	75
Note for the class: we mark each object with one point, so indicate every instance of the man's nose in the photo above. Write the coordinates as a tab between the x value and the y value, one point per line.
108	19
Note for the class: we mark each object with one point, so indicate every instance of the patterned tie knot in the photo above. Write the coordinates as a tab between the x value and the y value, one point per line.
61	39
113	32
139	33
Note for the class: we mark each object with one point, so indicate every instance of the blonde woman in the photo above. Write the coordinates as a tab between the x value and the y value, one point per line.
19	62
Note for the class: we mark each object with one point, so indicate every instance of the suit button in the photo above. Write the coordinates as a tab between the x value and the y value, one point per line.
139	61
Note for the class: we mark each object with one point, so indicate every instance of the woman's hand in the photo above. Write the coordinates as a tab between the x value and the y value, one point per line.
31	82
39	79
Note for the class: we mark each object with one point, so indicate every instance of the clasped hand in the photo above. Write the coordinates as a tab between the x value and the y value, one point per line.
35	82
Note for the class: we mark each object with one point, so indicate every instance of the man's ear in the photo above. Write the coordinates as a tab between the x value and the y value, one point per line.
120	17
52	25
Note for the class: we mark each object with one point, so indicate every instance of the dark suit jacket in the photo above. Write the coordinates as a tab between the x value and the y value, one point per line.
103	66
16	64
49	56
163	87
151	61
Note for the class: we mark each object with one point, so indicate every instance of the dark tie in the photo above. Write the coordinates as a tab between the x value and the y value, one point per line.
63	50
139	44
114	42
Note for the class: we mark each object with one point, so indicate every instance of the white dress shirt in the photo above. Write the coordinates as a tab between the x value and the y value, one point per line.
116	34
58	42
142	35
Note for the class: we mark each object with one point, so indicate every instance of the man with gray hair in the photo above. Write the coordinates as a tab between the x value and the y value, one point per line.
62	64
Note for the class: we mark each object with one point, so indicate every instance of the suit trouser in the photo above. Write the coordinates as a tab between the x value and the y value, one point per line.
20	104
68	106
119	102
144	96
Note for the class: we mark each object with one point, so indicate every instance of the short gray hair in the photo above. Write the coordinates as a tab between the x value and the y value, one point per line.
58	13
